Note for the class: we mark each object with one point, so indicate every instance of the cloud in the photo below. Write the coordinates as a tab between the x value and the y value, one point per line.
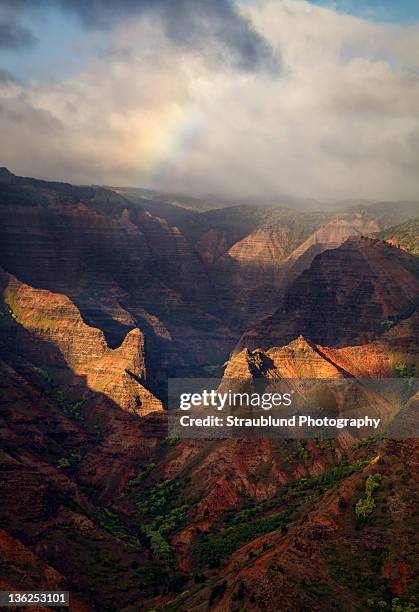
14	36
340	121
194	24
190	23
197	22
6	76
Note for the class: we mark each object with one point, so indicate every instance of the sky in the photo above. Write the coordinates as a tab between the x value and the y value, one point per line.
233	98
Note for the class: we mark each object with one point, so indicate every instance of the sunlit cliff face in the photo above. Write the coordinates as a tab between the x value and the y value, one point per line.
256	98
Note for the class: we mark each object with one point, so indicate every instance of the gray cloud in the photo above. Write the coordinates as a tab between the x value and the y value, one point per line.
195	22
190	23
6	76
14	36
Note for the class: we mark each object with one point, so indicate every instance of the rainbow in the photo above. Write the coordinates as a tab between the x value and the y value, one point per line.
171	136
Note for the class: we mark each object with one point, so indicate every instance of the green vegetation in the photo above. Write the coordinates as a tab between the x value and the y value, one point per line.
371	441
186	203
174	605
302	450
69	462
142	475
160	547
168	523
158	498
248	524
365	506
386	214
6	313
72	407
111	522
171	440
319	484
297	490
396	605
212	549
151	575
63	463
104	201
23	191
406	235
387	324
19	192
402	369
161	516
324	442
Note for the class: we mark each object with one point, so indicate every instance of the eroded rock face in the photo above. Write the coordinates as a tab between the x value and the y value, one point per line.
211	246
53	318
302	358
48	329
329	236
253	274
17	556
342	298
299	359
264	249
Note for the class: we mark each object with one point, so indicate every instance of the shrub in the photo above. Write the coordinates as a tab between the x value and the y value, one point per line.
399	606
365	506
63	463
396	605
160	515
69	462
302	450
213	548
115	525
160	547
171	440
142	475
387	324
404	370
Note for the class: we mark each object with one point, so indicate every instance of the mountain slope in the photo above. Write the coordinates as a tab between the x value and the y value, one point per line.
343	298
329	559
405	236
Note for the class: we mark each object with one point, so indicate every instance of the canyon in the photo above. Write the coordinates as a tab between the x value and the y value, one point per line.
104	297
